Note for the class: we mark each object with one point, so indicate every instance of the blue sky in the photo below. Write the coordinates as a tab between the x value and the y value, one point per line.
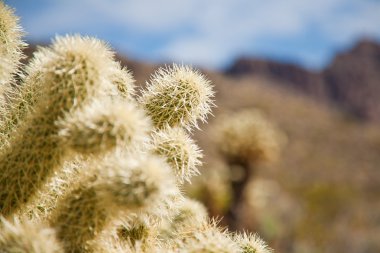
209	33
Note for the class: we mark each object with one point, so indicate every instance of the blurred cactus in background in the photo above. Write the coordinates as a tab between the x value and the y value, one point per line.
85	166
246	139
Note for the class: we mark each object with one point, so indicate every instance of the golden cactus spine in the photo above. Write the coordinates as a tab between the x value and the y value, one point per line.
73	70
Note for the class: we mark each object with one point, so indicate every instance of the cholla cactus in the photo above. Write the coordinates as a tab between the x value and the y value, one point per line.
123	81
22	98
134	231
177	96
188	216
251	243
11	45
179	150
123	184
25	97
27	237
80	154
207	239
39	209
96	130
103	126
72	73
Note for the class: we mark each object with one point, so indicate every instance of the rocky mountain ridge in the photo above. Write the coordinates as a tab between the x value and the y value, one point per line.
351	81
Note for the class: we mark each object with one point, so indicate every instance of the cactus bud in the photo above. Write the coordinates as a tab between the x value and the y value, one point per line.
208	239
179	150
123	81
251	243
103	126
178	96
188	216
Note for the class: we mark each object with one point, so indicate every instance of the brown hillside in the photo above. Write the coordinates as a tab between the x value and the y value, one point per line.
354	80
289	74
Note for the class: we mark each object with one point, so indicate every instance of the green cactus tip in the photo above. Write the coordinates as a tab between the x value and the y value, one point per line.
179	150
251	243
178	96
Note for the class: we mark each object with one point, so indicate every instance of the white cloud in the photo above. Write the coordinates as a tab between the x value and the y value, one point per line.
147	15
239	24
365	22
198	51
219	29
